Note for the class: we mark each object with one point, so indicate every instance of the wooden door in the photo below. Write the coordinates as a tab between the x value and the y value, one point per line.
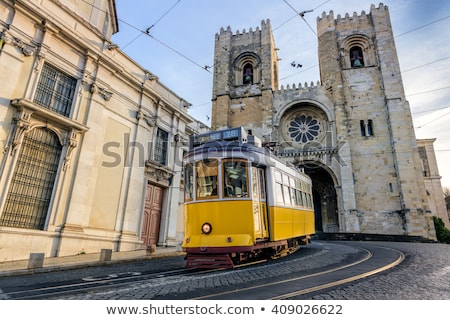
152	215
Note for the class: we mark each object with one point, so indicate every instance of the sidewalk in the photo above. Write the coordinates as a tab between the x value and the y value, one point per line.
20	267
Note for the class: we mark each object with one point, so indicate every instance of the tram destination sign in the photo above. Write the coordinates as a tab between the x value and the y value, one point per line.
234	134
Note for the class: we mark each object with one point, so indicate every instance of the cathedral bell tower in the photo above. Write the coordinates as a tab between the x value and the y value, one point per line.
245	75
360	70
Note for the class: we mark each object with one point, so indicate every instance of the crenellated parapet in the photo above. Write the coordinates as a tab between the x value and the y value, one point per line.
327	22
295	90
265	26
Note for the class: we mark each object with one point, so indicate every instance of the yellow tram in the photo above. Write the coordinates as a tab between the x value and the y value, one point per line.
241	202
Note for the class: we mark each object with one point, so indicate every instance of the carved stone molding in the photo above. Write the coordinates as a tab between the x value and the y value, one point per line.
47	115
149	118
103	92
26	49
23	123
72	143
158	174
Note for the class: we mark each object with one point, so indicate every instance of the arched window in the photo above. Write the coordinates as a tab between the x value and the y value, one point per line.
356	57
247	75
32	183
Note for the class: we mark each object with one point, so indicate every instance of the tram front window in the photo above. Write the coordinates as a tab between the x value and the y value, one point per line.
235	179
206	177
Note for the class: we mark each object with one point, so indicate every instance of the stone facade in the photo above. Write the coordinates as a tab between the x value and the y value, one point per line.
436	198
89	138
352	132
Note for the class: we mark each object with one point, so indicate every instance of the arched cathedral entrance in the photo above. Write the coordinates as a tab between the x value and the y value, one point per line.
325	199
305	134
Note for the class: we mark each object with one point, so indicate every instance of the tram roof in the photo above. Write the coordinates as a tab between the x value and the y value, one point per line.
237	150
228	146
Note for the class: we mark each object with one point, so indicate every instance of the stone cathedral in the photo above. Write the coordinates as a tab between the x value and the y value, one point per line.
352	132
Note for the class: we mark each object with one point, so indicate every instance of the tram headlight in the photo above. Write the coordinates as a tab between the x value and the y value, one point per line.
206	228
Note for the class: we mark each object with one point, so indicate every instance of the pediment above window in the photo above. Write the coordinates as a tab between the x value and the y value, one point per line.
31	115
36	111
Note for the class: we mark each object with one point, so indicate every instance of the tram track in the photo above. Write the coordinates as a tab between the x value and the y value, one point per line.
89	284
378	259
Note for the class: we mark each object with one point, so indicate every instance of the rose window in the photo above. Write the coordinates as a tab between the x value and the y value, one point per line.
304	129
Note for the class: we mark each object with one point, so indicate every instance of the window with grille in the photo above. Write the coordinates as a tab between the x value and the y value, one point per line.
55	90
32	183
161	142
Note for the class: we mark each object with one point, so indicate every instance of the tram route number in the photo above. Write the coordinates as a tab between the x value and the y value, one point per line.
307	309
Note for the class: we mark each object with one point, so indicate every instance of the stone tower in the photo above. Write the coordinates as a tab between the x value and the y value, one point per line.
352	132
245	75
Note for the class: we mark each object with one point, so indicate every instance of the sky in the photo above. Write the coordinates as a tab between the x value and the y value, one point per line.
174	39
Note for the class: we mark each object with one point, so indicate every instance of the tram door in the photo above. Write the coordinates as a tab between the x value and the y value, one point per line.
259	204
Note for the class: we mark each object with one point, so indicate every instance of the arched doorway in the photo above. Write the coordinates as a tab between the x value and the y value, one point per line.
325	199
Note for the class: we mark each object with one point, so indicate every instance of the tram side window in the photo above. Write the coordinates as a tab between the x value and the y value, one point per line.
206	177
309	200
279	187
299	198
286	193
293	193
287	197
189	183
298	192
235	177
309	196
305	202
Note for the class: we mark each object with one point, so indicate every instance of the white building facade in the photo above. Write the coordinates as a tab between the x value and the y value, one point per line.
91	142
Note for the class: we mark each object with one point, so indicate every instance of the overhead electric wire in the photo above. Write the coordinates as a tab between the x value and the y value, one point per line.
298	14
148	29
426	64
428	91
431	110
147	32
294	74
438	118
301	14
177	52
422	26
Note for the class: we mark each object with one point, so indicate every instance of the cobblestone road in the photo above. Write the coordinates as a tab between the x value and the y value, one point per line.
424	274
